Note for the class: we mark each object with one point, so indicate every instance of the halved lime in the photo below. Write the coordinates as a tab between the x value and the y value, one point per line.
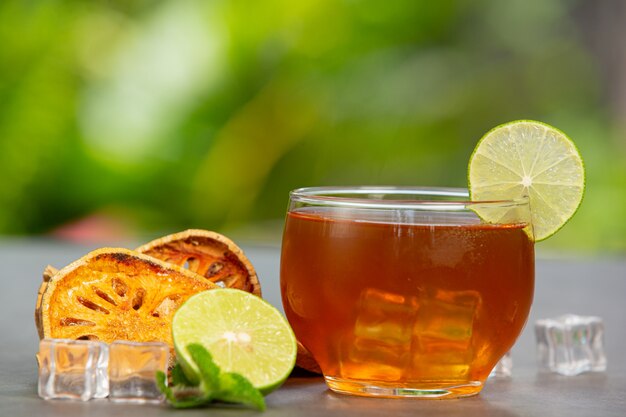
529	158
243	333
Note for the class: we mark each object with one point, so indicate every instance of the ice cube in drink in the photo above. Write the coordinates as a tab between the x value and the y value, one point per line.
442	345
380	345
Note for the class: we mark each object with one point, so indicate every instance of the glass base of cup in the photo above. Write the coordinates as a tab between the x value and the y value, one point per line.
427	390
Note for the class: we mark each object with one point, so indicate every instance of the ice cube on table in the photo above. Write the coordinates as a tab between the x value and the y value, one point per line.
570	344
132	370
503	368
72	369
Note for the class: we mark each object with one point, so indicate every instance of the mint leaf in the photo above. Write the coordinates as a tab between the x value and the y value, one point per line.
179	377
235	388
189	398
213	385
208	370
177	398
161	381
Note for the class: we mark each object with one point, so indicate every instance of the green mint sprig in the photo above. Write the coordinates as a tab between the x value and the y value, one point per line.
213	385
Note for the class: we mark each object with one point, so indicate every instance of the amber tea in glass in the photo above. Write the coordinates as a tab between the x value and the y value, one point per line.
406	292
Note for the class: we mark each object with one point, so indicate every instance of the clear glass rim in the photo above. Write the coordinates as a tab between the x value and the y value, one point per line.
425	198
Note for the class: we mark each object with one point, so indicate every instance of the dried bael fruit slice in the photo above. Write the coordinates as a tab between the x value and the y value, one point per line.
116	294
209	254
306	361
48	273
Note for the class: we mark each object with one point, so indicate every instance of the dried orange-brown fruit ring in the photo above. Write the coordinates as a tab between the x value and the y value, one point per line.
209	254
48	273
116	294
306	361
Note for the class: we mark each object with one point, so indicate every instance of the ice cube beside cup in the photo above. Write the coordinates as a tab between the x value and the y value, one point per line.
73	369
570	344
132	370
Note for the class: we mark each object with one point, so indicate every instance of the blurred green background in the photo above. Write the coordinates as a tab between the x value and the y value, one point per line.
122	118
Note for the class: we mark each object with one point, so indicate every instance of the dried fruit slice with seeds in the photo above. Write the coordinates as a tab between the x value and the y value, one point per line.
209	254
48	273
116	294
306	361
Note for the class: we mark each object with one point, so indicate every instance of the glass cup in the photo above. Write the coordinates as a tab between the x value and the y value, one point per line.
405	291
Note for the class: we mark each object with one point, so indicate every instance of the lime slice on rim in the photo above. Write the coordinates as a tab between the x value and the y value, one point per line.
243	333
529	158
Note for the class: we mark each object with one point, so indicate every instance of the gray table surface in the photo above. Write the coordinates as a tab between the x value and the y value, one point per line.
582	286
